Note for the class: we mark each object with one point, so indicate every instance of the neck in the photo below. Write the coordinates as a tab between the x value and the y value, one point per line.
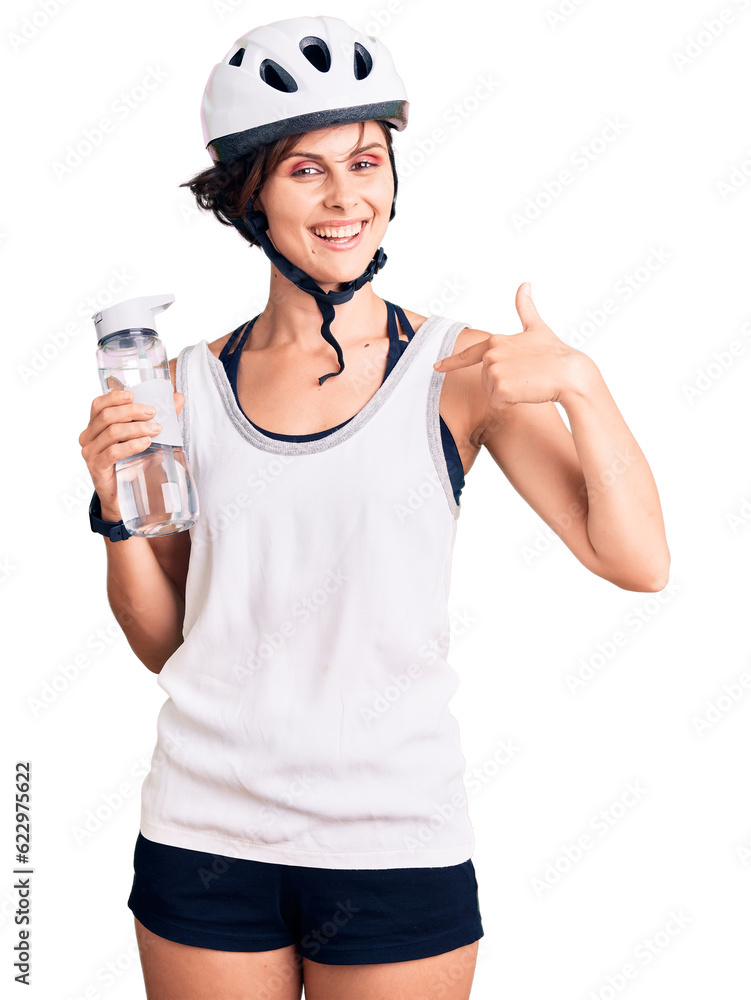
292	316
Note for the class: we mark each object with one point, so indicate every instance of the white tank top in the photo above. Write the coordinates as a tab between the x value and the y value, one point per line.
307	719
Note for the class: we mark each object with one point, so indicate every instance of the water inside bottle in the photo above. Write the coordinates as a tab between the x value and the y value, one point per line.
155	492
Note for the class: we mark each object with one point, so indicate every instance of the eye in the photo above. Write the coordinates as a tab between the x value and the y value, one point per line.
357	163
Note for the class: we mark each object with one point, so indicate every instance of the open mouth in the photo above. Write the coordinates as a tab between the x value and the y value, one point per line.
341	238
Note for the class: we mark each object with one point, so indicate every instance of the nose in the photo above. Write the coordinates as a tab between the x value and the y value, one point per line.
340	190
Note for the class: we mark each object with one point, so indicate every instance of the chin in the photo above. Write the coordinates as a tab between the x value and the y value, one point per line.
346	271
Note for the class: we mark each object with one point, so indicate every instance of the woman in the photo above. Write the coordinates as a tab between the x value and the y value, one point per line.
305	818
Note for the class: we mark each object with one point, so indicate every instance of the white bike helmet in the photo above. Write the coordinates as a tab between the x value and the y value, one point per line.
298	75
292	76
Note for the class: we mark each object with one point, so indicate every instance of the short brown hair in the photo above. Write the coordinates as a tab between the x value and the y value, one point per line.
226	188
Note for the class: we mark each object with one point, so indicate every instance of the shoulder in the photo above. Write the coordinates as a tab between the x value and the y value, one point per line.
173	372
463	397
216	347
465	384
173	361
415	319
465	338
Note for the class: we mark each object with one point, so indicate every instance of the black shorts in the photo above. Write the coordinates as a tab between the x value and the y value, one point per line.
351	916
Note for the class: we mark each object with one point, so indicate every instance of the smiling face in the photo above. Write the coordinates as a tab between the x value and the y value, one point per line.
331	184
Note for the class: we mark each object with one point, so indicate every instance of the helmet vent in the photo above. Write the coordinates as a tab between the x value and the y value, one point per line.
316	51
277	77
237	58
363	61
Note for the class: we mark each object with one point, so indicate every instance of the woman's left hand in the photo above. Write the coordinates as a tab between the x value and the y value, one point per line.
533	366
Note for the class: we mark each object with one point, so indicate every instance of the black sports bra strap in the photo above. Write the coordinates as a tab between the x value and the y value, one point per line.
238	337
395	346
406	325
241	334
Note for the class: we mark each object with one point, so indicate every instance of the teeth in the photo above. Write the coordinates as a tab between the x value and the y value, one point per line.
344	232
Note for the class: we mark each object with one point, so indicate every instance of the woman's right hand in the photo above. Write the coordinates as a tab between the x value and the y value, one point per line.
118	427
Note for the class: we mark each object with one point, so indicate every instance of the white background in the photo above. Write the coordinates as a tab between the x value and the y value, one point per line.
684	845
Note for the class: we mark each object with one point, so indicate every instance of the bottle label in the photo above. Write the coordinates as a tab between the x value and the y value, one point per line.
171	497
158	392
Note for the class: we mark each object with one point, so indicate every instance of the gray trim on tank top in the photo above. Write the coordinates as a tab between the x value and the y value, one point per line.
250	434
180	381
434	418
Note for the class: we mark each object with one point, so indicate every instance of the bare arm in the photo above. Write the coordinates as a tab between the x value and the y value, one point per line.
143	598
594	487
592	484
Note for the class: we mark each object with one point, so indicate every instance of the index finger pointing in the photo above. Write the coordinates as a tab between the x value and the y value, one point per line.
471	355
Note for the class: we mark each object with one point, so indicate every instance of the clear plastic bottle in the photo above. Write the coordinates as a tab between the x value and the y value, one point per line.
155	489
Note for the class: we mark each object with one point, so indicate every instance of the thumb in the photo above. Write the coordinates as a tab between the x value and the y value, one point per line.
525	306
179	402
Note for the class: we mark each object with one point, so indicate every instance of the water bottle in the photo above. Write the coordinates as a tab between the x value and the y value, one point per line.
155	490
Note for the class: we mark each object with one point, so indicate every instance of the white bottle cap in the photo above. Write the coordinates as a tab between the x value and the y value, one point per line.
132	314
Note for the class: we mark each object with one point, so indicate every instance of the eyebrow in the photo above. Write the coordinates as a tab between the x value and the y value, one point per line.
316	156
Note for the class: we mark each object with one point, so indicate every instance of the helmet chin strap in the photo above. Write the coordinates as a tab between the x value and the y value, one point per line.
255	222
